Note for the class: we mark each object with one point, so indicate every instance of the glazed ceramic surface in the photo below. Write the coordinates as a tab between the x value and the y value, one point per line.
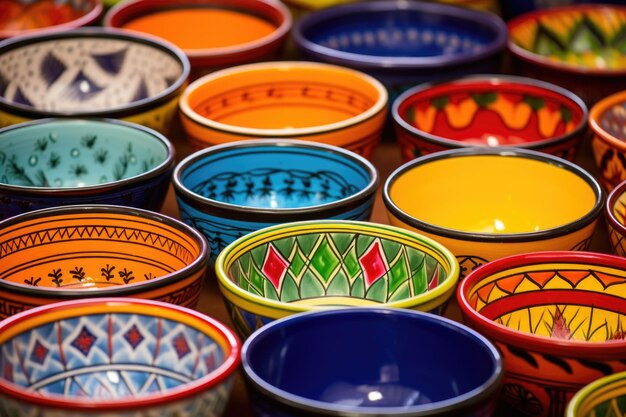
580	48
304	266
94	251
383	362
306	100
58	162
91	72
604	397
117	356
213	33
485	203
403	43
489	111
608	120
558	319
615	211
21	17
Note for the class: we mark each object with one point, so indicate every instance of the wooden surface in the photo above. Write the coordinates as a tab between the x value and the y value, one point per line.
386	158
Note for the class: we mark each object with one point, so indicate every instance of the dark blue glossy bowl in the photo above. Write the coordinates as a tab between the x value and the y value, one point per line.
57	162
404	43
364	362
230	190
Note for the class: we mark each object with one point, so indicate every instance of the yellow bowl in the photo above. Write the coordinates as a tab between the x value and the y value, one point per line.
484	204
317	102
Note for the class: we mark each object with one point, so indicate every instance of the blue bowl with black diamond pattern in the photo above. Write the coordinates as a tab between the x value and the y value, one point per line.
118	357
91	72
55	162
230	190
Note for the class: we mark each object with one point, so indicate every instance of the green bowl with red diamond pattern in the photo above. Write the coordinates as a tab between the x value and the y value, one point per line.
310	265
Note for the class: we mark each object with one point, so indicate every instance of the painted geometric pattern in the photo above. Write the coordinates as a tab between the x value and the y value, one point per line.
606	401
566	301
353	265
108	356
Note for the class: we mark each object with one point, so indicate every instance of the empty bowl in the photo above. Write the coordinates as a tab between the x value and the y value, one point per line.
55	162
301	266
577	47
213	33
66	253
91	72
403	43
558	318
281	100
489	110
602	397
370	362
230	190
115	356
487	203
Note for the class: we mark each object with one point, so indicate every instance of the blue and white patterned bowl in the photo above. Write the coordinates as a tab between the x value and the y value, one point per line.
115	357
230	190
56	162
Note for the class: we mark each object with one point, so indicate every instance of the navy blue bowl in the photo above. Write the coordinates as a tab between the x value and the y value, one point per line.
57	162
230	190
364	362
404	43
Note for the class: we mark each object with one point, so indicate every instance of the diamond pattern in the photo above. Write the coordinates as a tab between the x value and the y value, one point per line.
84	341
181	346
274	267
133	336
373	264
324	260
39	353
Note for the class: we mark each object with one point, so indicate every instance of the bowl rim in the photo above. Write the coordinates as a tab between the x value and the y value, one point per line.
495	81
542	61
579	398
96	10
190	114
129	109
128	290
357	60
614	195
507	152
55	192
268	234
596	113
570	348
139	8
243	212
69	309
468	399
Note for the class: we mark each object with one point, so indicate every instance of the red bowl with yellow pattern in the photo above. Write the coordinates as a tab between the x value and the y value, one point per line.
489	110
559	320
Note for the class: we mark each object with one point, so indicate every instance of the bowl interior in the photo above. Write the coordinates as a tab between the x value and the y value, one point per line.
590	38
93	250
400	32
85	73
604	397
77	154
334	266
569	301
370	360
18	16
492	193
276	177
619	209
283	97
493	113
109	356
613	120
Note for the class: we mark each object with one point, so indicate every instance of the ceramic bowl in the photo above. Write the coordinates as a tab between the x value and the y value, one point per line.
20	17
576	47
600	398
404	43
607	119
115	356
73	252
615	212
299	100
370	362
56	162
230	190
558	318
487	203
91	72
491	110
213	33
301	266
